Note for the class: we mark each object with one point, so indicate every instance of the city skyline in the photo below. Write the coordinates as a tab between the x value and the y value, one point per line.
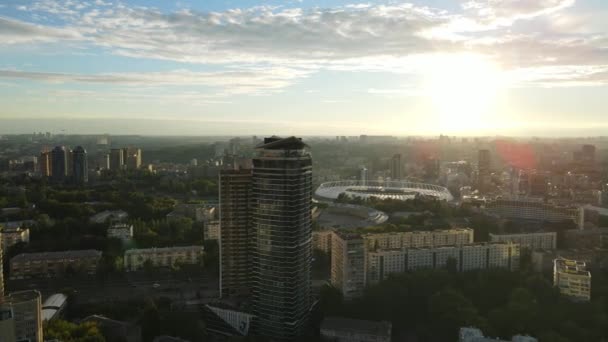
304	67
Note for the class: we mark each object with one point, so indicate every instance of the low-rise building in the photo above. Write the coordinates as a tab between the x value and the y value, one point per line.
340	329
54	264
476	335
572	279
531	241
380	263
108	216
348	263
121	231
211	230
163	257
13	236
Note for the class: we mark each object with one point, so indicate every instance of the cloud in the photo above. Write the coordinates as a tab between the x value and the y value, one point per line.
230	82
19	32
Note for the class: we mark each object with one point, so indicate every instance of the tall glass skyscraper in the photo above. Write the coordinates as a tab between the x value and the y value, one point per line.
281	238
80	166
59	162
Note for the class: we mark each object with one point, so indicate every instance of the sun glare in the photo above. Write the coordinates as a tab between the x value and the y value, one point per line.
463	90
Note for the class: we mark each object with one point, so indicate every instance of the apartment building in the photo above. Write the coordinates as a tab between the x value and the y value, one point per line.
54	264
163	257
14	235
572	279
321	240
544	240
419	239
348	263
121	231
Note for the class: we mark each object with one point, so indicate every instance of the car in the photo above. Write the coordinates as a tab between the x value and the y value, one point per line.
156	285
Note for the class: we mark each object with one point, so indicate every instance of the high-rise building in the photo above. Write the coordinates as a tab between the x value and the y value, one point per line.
396	167
21	317
588	154
45	163
483	170
80	166
235	231
348	263
281	238
59	164
538	185
117	161
363	175
132	158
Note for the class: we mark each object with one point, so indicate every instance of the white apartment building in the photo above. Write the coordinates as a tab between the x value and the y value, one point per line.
419	239
532	241
321	240
163	257
121	231
572	279
380	263
348	263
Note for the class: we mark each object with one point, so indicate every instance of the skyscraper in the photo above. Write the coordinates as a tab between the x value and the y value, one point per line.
281	238
396	167
483	168
235	232
116	159
80	166
45	163
132	158
59	162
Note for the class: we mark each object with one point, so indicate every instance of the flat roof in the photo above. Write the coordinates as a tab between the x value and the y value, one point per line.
84	253
163	249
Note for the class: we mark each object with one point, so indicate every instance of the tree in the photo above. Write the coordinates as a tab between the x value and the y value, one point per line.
69	332
451	311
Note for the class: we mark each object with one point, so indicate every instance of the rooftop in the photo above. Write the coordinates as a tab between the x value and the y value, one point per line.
276	143
571	267
85	253
163	249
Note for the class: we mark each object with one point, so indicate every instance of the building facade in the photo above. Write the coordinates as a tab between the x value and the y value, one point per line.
572	279
396	167
544	240
418	239
14	235
321	240
117	161
534	210
121	231
235	231
21	317
54	264
348	263
80	165
135	259
59	161
281	238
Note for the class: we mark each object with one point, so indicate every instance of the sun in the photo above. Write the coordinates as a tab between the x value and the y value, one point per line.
463	90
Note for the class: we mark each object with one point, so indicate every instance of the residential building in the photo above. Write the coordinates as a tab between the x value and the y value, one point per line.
348	263
380	263
108	216
45	163
281	238
21	317
135	259
132	158
476	335
211	230
572	279
340	329
54	264
121	231
235	231
80	166
321	240
396	167
415	239
544	240
59	162
587	238
14	235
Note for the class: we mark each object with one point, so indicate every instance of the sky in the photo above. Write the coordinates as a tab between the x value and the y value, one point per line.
333	67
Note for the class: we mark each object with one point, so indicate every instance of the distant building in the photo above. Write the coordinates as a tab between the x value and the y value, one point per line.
340	329
163	257
121	231
45	163
396	167
419	239
587	238
572	279
14	235
21	317
484	162
80	165
114	330
59	161
321	240
53	306
363	175
544	240
538	185
211	230
132	158
117	161
348	263
108	216
521	208
476	335
54	264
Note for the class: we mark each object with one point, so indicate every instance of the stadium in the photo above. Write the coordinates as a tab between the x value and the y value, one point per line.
400	190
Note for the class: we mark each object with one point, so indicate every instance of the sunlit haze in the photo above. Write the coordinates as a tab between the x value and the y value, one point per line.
425	67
